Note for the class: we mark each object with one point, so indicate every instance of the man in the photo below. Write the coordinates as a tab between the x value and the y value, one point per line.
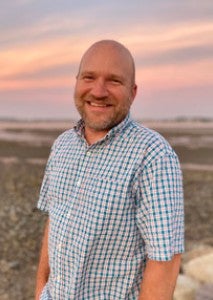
113	192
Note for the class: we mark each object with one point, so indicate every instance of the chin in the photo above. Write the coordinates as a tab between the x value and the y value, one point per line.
99	126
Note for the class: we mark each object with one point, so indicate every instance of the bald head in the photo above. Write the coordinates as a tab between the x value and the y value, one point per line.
105	86
107	48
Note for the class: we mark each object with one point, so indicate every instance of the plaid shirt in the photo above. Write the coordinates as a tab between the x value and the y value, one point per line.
111	205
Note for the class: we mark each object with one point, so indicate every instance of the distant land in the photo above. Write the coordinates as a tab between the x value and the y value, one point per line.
184	125
176	119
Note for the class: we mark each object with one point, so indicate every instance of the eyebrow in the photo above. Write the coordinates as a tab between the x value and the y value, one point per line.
115	76
109	76
87	73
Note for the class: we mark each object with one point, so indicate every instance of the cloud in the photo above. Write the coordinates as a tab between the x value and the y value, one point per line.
184	55
33	58
42	42
181	44
158	53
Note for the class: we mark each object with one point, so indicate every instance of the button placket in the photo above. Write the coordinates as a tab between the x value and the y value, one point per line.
69	214
78	183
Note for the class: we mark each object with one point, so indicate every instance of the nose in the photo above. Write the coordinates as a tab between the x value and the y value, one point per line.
99	89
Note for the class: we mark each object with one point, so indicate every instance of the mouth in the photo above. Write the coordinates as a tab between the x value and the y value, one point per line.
95	104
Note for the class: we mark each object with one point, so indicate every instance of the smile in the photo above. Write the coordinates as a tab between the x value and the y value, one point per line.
98	104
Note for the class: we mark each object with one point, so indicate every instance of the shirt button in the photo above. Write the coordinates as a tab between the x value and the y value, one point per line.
78	182
68	214
88	153
58	278
60	246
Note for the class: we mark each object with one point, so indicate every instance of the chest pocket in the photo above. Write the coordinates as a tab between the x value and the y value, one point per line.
99	202
107	195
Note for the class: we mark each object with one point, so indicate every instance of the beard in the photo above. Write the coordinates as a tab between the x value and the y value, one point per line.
102	121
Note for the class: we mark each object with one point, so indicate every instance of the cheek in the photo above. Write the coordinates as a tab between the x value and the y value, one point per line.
122	94
80	89
123	100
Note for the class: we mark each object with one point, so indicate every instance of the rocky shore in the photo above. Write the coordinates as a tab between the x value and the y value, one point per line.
22	164
195	281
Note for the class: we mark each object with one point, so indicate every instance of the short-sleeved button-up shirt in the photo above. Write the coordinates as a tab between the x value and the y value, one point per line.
111	205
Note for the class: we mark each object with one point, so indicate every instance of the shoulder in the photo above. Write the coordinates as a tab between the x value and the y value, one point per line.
64	139
152	143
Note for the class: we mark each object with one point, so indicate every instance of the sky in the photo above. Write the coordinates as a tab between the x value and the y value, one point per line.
42	41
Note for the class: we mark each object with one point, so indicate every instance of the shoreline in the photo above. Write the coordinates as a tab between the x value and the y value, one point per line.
65	124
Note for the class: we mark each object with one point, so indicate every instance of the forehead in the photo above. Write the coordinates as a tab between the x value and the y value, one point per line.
106	59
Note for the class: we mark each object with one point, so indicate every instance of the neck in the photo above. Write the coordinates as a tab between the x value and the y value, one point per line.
93	136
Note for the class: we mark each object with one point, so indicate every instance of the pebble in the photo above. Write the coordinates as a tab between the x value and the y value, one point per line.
196	282
200	268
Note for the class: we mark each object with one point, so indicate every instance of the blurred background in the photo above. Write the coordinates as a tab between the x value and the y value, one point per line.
41	43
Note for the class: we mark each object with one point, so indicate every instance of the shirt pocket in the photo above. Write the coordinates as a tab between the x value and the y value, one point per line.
106	195
101	199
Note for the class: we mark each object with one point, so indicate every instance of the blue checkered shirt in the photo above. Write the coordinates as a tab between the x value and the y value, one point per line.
111	205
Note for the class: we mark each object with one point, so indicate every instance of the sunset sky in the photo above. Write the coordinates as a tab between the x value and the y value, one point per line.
42	41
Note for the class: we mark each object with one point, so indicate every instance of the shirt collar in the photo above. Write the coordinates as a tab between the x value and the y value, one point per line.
79	128
120	127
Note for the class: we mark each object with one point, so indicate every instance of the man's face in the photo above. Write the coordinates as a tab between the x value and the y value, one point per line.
104	88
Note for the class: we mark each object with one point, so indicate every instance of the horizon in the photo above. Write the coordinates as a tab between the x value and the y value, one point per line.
175	119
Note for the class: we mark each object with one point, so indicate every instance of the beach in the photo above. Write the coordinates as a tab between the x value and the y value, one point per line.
24	149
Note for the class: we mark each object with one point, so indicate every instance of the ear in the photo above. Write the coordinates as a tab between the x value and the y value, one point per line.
134	92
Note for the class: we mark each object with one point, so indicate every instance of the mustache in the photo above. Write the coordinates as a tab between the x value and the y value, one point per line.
100	100
93	99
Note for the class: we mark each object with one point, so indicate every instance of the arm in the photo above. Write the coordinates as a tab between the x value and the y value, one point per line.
159	279
43	267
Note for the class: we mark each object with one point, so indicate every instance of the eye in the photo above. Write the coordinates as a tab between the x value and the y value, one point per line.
88	78
115	81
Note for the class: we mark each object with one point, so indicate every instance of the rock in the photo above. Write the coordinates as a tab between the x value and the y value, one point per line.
15	265
205	292
199	250
13	215
185	288
4	266
5	296
200	268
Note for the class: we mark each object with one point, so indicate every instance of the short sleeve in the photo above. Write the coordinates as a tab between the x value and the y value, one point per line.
44	196
160	209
